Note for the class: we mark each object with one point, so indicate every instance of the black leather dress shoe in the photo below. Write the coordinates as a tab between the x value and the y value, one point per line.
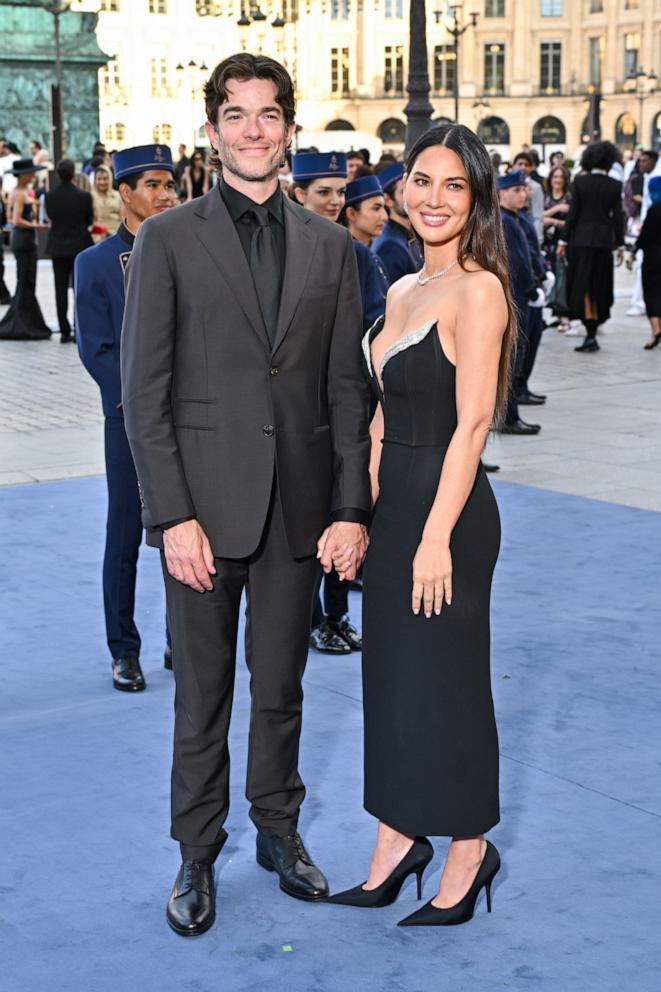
347	632
167	658
299	876
490	468
520	427
192	903
526	398
127	675
590	344
66	338
326	639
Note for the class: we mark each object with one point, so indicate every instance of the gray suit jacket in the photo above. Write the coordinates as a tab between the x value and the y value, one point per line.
212	409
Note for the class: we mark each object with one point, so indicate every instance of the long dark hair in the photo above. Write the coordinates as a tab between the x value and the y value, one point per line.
483	235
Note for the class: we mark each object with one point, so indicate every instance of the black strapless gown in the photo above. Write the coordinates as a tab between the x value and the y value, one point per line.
431	745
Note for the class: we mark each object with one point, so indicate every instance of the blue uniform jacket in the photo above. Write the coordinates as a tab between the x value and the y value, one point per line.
536	257
522	276
400	257
99	282
373	283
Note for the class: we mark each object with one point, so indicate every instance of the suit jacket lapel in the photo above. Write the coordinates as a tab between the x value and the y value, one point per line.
300	246
215	229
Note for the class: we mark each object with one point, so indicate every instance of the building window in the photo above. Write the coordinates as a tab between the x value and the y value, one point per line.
340	9
596	6
110	6
444	69
162	134
493	131
631	48
393	74
552	8
111	76
550	57
115	134
159	76
494	8
632	5
340	71
595	59
158	6
494	69
626	131
393	8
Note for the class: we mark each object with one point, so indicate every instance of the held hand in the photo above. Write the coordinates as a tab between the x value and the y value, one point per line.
344	546
630	261
619	256
561	251
432	577
188	555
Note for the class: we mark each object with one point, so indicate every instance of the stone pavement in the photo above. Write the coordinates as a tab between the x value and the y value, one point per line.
601	426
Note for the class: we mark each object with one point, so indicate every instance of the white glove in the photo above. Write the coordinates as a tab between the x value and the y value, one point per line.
548	282
539	300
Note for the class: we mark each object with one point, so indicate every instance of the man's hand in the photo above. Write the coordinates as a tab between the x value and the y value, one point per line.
188	555
344	546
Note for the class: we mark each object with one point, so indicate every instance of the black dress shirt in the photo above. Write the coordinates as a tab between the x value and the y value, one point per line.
240	209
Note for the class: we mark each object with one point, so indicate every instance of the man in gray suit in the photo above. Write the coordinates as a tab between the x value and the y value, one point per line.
246	411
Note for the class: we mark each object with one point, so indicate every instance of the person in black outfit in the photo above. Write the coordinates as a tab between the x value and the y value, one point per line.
24	319
246	411
594	228
438	362
71	214
649	242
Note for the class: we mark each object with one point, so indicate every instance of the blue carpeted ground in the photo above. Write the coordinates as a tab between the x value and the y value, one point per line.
88	863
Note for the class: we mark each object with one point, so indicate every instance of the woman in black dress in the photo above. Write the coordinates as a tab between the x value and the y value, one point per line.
649	242
557	187
196	177
593	230
439	363
24	320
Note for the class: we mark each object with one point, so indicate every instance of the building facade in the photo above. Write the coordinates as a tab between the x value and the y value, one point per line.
527	70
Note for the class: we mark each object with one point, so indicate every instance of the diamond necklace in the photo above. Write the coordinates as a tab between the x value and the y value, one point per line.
423	280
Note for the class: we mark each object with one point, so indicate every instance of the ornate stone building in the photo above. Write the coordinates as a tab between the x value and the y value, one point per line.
27	71
526	70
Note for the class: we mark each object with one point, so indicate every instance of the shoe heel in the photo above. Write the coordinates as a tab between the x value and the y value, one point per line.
264	862
488	892
418	877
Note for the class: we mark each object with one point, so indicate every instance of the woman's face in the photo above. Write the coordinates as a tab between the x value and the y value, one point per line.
101	181
558	181
197	160
438	195
325	197
369	217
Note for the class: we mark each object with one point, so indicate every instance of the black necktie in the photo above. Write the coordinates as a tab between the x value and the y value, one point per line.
265	268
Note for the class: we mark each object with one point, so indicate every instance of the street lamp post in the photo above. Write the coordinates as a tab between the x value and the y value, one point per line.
642	84
192	68
57	8
457	30
418	110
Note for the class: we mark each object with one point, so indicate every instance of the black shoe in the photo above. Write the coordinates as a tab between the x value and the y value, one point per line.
526	398
520	427
127	674
192	903
167	658
590	344
347	632
414	862
66	338
490	468
5	298
326	639
462	912
299	876
656	338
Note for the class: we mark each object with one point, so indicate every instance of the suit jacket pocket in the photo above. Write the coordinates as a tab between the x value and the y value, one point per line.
192	414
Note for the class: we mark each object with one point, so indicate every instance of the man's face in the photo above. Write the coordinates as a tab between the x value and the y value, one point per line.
154	193
522	163
646	163
251	135
395	200
514	197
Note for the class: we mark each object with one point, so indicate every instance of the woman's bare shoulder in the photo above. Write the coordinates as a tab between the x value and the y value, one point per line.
479	285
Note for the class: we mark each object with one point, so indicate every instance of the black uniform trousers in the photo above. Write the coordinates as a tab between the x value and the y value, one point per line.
528	346
279	591
123	537
63	274
336	599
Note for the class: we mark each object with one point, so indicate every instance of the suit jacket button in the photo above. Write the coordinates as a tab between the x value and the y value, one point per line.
268	431
274	371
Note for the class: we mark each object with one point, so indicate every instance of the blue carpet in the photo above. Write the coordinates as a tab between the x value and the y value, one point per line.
85	775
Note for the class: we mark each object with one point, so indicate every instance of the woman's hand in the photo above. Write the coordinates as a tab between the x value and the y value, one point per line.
432	577
561	250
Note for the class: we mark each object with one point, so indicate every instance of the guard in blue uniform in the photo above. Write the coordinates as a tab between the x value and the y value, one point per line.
374	283
525	284
534	318
396	246
144	176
